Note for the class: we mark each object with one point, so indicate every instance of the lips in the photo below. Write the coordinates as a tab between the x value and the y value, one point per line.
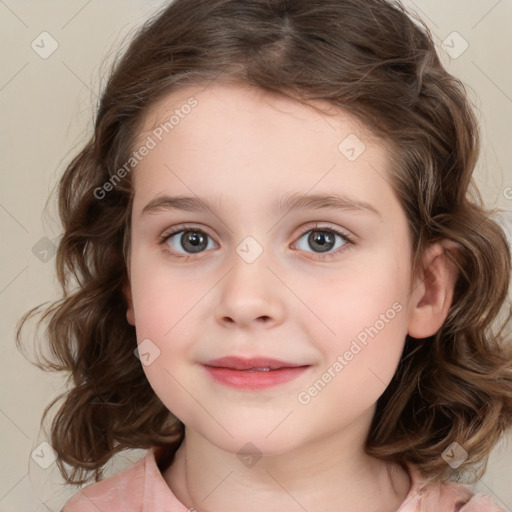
252	374
251	364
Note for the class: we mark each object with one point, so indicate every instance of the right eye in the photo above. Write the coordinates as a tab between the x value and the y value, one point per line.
191	241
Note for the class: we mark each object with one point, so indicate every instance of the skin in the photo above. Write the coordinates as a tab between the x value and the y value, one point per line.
245	148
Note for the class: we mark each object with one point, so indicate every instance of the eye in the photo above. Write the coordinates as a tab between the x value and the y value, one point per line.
323	240
192	241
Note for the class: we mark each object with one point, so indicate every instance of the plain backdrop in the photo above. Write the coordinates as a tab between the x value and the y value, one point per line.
48	93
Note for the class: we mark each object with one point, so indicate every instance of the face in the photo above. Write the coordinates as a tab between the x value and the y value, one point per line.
321	285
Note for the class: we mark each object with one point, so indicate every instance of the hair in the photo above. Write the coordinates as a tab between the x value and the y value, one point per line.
375	61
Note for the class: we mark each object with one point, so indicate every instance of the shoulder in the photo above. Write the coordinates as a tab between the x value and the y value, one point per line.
140	488
123	492
447	496
480	503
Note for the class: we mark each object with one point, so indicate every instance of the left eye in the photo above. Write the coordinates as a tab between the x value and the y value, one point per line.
322	241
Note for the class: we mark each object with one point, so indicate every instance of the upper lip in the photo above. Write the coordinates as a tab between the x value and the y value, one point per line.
242	363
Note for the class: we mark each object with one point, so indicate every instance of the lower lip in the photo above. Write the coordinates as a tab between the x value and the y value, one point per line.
244	379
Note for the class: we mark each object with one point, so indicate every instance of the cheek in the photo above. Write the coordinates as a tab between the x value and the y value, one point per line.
166	328
364	315
163	294
361	357
164	303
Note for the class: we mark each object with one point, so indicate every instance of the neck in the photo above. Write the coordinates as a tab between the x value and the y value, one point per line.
327	474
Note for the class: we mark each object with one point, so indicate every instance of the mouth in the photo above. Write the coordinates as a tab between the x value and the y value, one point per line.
251	364
253	373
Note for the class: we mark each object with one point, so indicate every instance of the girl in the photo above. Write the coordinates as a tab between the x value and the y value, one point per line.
275	277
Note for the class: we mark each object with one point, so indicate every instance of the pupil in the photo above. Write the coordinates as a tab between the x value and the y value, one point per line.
323	239
196	241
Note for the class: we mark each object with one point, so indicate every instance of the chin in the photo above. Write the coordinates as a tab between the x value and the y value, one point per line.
253	441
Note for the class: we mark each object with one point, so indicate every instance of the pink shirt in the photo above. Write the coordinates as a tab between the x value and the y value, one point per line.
142	488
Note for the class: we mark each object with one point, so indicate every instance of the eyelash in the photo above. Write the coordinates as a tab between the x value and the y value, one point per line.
162	241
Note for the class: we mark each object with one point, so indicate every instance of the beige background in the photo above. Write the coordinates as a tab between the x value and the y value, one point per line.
46	115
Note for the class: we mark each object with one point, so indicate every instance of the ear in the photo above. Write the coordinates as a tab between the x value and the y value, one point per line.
130	314
433	292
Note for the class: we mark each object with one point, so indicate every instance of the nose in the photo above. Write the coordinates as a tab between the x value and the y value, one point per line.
250	295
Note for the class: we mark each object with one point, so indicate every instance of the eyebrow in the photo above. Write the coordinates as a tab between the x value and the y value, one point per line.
288	202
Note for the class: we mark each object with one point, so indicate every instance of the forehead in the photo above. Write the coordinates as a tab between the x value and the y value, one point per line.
224	98
236	140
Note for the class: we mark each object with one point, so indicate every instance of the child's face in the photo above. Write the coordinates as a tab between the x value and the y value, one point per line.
344	317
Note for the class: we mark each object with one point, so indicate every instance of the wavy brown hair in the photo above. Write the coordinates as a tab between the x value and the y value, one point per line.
370	58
